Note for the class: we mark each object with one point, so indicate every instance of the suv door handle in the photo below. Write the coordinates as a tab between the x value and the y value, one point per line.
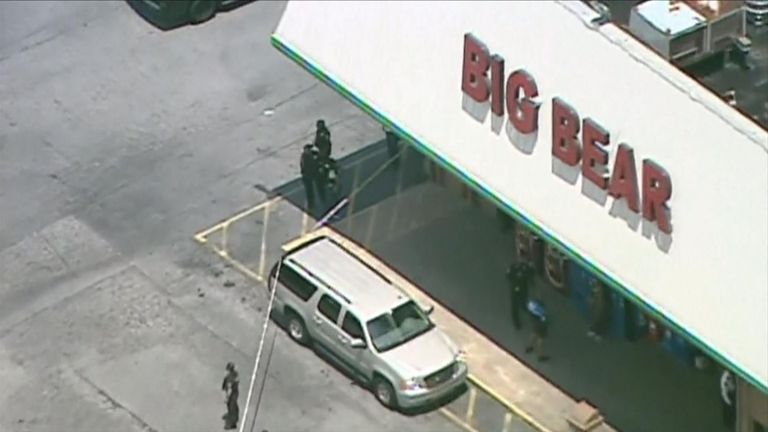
343	339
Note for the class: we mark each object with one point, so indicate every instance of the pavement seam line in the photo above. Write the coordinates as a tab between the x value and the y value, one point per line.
56	252
7	329
186	313
114	401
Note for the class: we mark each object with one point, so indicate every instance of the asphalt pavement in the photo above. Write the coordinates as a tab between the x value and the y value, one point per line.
117	143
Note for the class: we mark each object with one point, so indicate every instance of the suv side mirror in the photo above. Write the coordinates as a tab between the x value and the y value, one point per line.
357	343
428	309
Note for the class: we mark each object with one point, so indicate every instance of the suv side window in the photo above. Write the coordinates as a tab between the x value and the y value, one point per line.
352	327
329	308
296	283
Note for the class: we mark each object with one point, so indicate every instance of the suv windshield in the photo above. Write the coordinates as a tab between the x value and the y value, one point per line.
398	326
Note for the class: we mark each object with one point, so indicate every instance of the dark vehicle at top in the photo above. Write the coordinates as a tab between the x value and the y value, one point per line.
169	14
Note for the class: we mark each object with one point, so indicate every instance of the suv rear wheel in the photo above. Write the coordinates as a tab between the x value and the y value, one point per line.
297	330
201	11
384	392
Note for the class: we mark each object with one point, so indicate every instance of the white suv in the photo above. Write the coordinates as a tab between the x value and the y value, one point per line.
333	300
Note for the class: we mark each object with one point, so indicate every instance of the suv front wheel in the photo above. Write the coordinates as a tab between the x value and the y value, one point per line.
297	330
384	392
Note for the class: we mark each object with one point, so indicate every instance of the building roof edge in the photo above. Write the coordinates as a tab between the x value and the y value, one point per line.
668	72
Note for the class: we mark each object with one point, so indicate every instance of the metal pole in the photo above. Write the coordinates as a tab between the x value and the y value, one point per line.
261	345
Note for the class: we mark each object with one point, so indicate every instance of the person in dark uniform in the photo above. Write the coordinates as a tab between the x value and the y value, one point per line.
519	277
599	305
538	313
231	388
393	147
310	165
728	399
323	140
330	183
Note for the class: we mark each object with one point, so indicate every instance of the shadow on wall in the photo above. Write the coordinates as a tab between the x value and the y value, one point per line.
480	111
619	208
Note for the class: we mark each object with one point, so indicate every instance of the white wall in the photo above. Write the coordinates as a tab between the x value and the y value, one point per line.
405	60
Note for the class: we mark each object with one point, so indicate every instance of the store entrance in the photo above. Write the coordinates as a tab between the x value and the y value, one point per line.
641	376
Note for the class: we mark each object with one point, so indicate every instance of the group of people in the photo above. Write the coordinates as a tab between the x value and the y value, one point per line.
320	172
520	276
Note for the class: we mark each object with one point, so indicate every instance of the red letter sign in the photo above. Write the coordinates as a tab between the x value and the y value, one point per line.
657	189
592	134
474	75
624	177
523	112
497	89
565	128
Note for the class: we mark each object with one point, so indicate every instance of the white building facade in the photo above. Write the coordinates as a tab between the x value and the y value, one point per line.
592	139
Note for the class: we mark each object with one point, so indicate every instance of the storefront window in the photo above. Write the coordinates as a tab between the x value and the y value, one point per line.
554	267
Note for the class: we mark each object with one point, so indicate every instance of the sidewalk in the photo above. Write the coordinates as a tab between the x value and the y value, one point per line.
636	386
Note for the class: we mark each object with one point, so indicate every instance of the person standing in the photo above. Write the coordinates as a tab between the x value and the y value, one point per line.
309	171
519	277
728	399
599	305
323	140
330	184
231	388
538	314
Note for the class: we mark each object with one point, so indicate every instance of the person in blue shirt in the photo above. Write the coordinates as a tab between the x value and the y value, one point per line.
519	276
540	320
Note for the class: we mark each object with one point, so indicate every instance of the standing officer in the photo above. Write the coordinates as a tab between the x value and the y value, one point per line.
310	166
728	399
329	183
519	277
231	388
599	309
323	140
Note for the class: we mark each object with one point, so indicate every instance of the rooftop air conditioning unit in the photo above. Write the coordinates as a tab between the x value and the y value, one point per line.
757	11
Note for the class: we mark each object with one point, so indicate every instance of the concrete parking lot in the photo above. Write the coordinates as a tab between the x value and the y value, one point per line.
457	253
117	142
252	241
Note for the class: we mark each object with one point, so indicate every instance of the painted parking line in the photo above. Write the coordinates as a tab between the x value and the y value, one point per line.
457	420
485	410
201	236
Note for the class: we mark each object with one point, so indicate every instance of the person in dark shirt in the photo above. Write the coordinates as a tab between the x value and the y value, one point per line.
323	140
538	313
519	277
728	399
231	388
310	166
599	309
330	184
